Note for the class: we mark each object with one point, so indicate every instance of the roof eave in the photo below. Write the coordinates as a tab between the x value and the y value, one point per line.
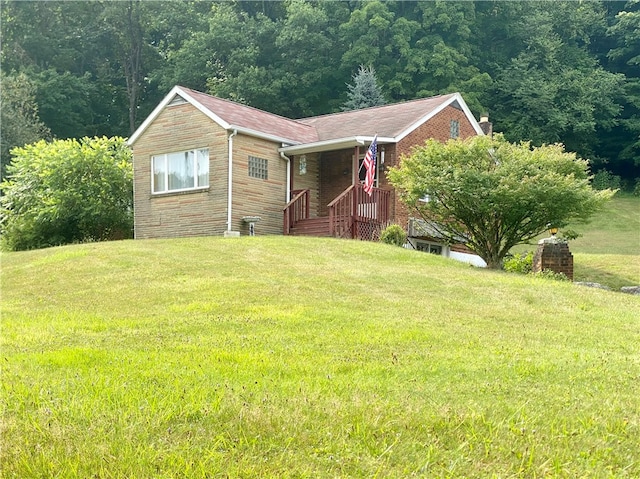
261	135
333	144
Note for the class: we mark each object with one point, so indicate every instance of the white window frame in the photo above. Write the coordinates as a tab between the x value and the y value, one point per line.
454	129
165	158
430	247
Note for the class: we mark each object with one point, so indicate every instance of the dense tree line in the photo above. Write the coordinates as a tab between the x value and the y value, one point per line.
545	71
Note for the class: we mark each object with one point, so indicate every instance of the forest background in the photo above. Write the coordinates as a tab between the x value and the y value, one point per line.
544	71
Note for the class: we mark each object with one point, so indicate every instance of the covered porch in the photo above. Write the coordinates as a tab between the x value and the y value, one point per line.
327	197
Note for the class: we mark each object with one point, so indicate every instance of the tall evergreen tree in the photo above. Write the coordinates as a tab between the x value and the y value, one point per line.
364	92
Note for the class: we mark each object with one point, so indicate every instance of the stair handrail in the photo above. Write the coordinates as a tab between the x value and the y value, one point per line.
297	209
352	208
341	212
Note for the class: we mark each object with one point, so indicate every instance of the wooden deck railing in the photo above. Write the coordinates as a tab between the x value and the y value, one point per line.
297	209
355	214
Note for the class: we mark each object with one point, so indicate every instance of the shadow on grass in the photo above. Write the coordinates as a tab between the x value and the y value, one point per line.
599	275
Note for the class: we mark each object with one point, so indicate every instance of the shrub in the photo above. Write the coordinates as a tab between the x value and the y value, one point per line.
604	179
522	263
636	188
548	274
67	191
394	234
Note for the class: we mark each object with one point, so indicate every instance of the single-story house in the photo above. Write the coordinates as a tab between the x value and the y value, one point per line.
208	166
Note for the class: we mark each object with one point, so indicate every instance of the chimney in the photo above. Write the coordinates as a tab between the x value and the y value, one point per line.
486	125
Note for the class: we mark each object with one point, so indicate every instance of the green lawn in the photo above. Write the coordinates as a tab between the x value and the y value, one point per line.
299	357
608	250
615	230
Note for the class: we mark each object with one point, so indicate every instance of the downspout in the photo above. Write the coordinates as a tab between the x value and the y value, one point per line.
288	188
230	190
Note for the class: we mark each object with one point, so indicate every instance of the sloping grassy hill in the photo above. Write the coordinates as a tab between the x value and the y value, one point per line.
608	250
615	230
298	357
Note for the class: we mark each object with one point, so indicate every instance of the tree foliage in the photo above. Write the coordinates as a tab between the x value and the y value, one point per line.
492	194
67	191
364	92
545	71
19	115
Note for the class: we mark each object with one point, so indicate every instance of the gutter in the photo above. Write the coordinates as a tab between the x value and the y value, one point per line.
230	190
288	188
334	144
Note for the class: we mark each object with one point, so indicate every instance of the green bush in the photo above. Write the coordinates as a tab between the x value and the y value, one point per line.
394	234
604	179
67	191
636	188
522	263
548	274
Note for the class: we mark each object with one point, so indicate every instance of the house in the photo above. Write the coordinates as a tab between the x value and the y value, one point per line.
209	166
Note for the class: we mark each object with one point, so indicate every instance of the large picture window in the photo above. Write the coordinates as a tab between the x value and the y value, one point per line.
185	170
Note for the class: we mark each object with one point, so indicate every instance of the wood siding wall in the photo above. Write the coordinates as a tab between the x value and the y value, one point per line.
180	128
204	212
255	196
309	181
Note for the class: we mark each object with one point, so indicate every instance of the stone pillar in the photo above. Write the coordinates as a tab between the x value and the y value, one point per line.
553	255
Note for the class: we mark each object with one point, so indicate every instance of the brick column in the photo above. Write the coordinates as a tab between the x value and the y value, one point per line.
555	256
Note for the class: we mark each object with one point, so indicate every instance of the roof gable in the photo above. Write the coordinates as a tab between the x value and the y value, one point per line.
234	116
390	122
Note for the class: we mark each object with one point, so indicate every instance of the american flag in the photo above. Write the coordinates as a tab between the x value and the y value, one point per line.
369	164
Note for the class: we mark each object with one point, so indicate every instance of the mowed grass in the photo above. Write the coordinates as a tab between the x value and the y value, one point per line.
613	231
608	250
302	357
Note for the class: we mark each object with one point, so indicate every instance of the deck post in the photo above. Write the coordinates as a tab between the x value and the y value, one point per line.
355	179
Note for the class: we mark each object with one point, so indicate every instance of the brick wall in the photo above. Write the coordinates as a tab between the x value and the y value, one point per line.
437	127
553	256
333	180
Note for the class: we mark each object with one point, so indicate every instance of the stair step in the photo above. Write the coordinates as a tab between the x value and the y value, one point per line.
312	227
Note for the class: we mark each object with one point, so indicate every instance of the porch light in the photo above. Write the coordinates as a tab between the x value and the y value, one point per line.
553	230
303	165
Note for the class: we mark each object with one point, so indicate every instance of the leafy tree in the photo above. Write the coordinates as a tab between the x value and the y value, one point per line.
364	92
19	115
67	191
554	90
305	75
624	143
493	194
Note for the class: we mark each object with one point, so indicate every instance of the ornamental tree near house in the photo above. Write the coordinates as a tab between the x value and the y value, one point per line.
494	194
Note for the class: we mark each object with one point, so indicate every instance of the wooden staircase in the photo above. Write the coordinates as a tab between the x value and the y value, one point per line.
353	214
311	227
